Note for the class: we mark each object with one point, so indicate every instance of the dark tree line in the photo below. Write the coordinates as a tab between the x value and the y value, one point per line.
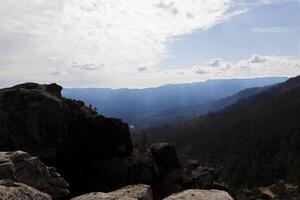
253	142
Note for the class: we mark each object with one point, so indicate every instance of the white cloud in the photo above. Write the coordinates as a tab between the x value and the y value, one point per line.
257	59
255	66
101	42
199	71
118	34
250	67
215	63
58	73
275	29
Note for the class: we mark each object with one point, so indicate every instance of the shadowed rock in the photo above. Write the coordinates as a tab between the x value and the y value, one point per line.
63	133
21	167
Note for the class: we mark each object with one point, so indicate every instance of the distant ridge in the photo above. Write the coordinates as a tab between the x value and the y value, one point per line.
134	104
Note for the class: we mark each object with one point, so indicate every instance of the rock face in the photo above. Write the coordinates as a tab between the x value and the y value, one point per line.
197	194
21	167
131	192
62	132
16	191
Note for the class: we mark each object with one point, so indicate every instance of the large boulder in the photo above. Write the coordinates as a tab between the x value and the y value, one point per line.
10	190
139	192
21	167
131	192
63	133
197	194
165	156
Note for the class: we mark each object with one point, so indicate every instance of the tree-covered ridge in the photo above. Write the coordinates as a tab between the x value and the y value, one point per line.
255	141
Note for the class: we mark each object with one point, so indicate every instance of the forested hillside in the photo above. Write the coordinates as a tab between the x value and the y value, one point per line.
254	141
178	114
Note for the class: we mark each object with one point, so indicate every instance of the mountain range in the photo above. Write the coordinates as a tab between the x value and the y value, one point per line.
165	104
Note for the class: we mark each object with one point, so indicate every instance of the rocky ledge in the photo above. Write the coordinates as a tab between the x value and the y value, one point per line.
19	166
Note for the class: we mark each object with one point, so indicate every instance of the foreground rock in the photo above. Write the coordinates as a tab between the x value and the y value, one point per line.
63	133
280	190
197	194
21	167
10	190
131	192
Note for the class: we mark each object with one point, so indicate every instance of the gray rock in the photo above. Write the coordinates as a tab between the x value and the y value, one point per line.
93	196
10	190
21	167
139	192
131	192
197	194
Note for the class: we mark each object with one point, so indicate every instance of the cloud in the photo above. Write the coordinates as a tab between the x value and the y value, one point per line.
85	67
200	71
119	34
275	29
215	63
257	59
141	69
181	73
58	73
99	42
255	66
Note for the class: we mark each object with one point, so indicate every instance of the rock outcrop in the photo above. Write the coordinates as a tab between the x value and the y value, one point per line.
92	152
175	177
197	194
63	133
10	190
131	192
21	167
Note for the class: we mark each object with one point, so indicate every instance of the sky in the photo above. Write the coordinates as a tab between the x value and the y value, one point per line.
138	44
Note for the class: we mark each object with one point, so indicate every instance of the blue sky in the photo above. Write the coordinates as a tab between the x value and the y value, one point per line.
138	44
237	39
